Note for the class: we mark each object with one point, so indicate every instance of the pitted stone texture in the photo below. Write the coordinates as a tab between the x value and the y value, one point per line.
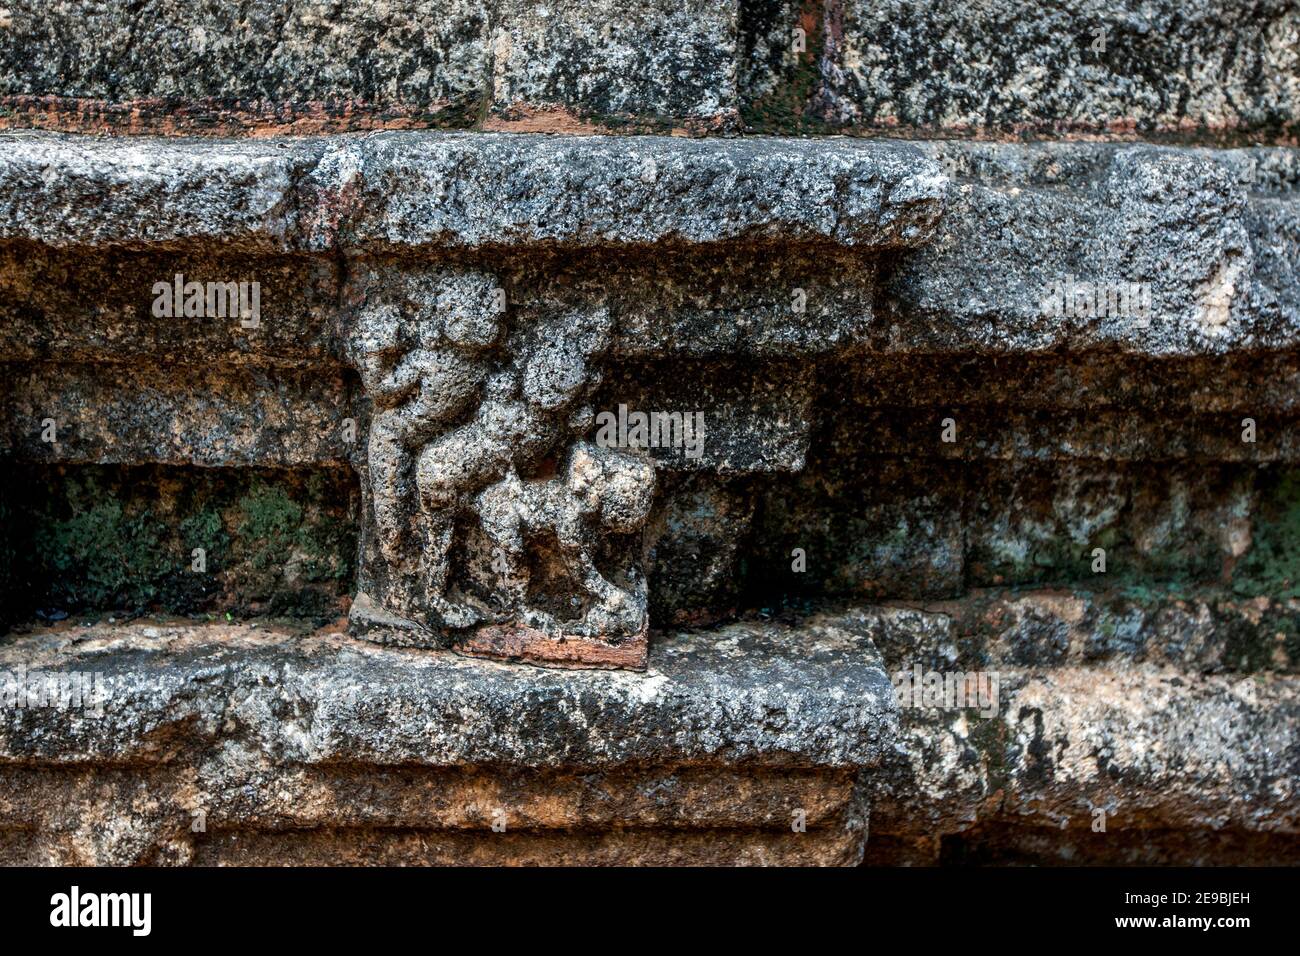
348	814
1207	68
67	305
1209	234
746	419
1164	202
1124	720
655	60
325	750
1109	435
194	540
861	525
903	520
66	191
1084	381
286	65
1212	234
465	191
772	303
240	417
1034	630
701	535
321	748
470	191
427	54
1150	748
760	694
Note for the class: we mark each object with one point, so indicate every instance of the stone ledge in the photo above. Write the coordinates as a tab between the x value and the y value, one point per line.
313	749
1209	235
1152	748
762	694
1158	715
397	191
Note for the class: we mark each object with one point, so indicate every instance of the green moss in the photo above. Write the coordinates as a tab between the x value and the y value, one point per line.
1156	593
1193	558
103	554
290	544
105	538
270	525
1249	644
329	544
1272	566
206	530
789	107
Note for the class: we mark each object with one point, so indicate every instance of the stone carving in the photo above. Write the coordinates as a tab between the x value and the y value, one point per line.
469	418
778	292
600	489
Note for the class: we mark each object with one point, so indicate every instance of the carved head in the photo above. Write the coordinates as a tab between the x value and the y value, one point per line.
614	485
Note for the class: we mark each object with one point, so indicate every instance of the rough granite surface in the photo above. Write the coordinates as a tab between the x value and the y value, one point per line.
396	191
968	336
1210	70
766	694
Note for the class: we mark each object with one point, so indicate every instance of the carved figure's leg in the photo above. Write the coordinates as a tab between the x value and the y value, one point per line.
389	461
509	560
439	530
615	608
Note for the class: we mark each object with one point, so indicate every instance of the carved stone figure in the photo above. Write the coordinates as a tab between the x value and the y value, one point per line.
421	359
465	417
601	489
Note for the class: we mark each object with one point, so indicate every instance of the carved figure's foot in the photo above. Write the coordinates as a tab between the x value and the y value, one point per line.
623	618
541	621
457	616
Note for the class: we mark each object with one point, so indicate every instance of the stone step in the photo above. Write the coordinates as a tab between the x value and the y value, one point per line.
742	745
754	743
403	192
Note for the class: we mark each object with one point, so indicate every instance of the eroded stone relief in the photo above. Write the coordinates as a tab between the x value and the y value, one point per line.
479	482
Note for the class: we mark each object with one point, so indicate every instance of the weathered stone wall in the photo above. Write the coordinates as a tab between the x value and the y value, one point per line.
1210	69
309	366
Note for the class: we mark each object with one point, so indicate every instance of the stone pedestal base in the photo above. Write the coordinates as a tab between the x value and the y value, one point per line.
230	744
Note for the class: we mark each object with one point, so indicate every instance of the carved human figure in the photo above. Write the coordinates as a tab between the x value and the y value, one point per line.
422	355
460	412
527	408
